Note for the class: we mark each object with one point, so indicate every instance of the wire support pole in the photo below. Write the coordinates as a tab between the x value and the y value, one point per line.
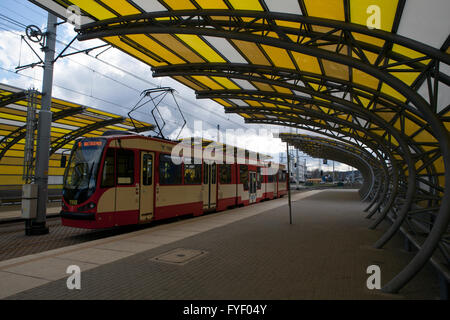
38	225
289	183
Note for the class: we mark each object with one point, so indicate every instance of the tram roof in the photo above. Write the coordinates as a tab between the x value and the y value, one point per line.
196	141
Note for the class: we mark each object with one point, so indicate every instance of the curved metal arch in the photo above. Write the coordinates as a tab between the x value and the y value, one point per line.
237	70
280	80
129	31
61	141
185	18
392	195
306	140
396	110
381	161
18	134
403	212
344	157
339	101
339	152
439	131
223	93
11	98
380	74
312	113
315	102
342	105
344	123
297	125
93	30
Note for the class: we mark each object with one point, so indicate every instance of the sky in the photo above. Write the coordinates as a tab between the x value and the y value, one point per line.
114	81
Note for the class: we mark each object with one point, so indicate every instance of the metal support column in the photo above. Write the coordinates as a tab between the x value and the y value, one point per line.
297	169
289	183
334	178
297	166
38	225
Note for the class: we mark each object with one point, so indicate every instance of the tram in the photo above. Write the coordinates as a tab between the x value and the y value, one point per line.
121	180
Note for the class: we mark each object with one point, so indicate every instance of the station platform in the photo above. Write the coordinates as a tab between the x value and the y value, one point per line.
244	253
13	213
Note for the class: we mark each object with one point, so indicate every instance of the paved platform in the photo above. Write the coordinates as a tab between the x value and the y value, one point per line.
247	253
9	213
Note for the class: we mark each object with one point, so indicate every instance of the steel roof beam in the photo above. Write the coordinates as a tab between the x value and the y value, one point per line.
61	141
11	98
11	139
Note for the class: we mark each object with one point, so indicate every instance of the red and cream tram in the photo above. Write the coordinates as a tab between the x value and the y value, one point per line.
131	179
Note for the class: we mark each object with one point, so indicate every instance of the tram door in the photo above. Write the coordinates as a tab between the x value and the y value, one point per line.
209	186
252	189
146	186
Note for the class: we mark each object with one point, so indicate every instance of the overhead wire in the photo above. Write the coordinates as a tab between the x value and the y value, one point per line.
20	24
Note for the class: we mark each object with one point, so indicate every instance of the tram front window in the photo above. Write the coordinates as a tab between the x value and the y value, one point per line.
81	173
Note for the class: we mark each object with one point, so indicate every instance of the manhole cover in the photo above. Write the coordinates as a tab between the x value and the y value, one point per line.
179	256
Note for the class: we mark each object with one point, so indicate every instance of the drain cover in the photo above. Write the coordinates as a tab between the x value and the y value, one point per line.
179	256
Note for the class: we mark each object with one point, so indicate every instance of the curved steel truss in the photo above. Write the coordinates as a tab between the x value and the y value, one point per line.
364	161
375	93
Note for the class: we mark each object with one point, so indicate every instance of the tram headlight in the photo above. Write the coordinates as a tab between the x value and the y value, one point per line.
89	206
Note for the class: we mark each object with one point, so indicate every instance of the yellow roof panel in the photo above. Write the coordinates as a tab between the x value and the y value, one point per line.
252	52
307	63
360	12
279	57
180	4
178	47
246	5
328	9
134	52
188	83
226	82
155	47
208	82
212	4
94	9
122	7
200	46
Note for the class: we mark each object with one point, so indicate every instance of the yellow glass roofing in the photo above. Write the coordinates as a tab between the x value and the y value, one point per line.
68	119
283	61
158	49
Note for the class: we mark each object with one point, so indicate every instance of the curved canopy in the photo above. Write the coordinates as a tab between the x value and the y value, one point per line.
325	148
315	65
70	121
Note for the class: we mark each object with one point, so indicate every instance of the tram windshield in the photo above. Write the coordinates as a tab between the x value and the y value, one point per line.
81	172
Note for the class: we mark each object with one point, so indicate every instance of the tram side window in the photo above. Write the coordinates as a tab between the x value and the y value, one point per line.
225	173
147	168
270	178
205	173
213	173
125	166
281	176
169	173
259	178
243	170
192	173
108	170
